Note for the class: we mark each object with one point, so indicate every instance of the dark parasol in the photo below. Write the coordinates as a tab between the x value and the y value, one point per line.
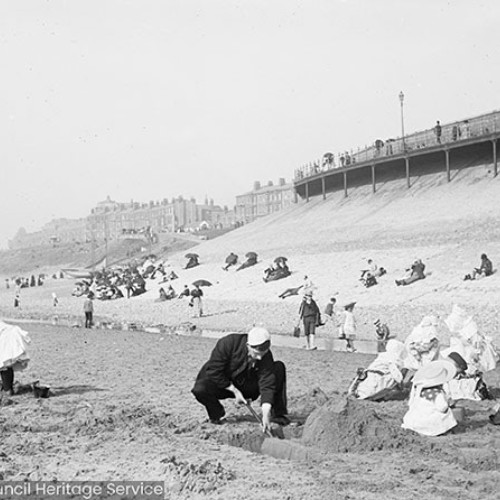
202	283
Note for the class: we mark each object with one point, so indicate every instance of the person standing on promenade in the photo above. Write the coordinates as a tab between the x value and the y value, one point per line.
438	130
242	367
311	318
88	309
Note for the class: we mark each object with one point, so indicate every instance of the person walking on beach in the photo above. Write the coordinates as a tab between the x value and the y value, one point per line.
331	314
348	327
88	309
196	301
242	367
311	318
17	299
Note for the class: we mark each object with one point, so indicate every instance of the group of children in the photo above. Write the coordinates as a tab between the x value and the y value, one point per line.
433	378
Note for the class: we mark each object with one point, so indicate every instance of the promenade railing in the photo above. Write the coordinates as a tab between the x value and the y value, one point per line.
453	133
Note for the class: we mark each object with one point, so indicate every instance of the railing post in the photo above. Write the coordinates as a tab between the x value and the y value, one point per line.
323	187
447	158
373	179
407	163
345	184
495	166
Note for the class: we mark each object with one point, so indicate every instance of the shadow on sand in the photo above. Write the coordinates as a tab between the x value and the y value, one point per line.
73	389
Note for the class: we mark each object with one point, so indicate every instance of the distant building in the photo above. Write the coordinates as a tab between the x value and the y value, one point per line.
110	220
263	200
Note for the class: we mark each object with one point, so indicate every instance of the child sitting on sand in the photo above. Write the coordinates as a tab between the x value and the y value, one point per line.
429	410
382	376
464	386
422	344
476	348
382	333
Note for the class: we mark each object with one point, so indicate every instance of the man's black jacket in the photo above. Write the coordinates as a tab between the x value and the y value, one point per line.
229	363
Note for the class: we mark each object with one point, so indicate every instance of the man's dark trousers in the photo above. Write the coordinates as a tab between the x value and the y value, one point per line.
209	395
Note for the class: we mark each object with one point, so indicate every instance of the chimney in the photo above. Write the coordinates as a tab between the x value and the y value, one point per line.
282	181
256	185
269	183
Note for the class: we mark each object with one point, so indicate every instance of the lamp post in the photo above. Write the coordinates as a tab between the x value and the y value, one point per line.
401	100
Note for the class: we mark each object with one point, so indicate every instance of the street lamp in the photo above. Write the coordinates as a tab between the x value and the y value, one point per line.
401	100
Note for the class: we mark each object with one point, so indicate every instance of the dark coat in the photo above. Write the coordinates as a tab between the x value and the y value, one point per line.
310	310
417	269
486	267
229	363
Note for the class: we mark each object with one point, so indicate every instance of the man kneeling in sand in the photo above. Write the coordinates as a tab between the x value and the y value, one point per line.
242	367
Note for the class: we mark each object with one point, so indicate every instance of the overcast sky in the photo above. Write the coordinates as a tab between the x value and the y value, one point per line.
149	99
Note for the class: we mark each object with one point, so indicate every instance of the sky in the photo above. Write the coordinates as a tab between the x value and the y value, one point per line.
150	99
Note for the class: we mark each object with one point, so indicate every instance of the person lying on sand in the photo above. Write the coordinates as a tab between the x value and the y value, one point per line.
289	292
242	367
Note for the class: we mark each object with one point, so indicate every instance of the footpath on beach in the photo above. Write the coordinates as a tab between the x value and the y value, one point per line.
324	343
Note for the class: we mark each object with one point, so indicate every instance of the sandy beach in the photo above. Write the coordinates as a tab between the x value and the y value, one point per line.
121	406
121	409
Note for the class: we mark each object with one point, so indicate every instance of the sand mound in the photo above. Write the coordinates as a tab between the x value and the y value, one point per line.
305	404
355	426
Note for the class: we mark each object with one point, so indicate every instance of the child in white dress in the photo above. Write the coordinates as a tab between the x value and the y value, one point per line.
347	329
429	410
382	375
